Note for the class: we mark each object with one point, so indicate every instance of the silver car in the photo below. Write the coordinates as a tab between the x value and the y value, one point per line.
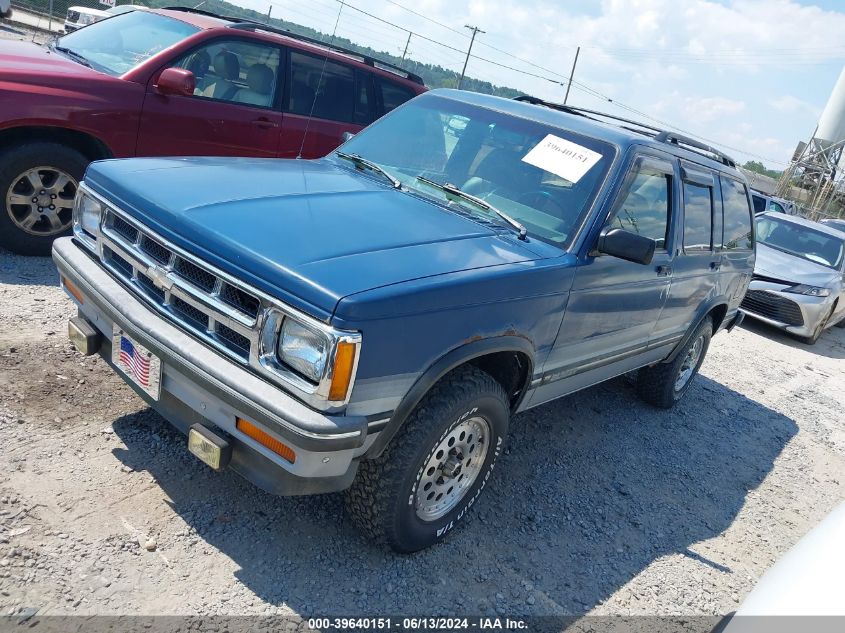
799	276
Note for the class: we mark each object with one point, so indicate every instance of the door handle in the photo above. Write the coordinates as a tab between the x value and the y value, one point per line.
265	123
663	271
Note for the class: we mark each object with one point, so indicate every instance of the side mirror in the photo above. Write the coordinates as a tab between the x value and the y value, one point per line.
346	136
176	81
626	245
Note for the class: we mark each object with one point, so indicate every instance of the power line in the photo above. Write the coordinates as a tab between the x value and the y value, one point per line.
578	85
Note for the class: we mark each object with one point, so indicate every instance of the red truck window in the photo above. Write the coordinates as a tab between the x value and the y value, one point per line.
235	71
326	87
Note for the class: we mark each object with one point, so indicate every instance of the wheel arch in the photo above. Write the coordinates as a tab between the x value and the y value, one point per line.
715	309
87	144
508	359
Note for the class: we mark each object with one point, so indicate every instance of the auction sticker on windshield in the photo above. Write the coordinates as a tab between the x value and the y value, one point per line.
562	158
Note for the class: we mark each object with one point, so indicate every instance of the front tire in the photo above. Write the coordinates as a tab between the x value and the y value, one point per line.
38	183
437	466
665	384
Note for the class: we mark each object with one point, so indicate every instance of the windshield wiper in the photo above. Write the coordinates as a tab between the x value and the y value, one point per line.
363	162
73	55
455	191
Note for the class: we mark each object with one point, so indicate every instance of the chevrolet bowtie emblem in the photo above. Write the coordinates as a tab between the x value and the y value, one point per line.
159	278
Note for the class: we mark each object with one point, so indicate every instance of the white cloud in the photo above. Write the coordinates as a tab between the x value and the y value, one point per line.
790	104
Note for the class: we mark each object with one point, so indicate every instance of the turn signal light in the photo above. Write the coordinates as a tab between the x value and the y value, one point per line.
73	290
265	439
344	362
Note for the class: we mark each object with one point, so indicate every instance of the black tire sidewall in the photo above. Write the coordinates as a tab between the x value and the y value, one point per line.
411	532
705	329
13	162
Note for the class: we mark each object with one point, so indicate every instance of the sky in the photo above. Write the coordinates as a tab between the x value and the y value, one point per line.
749	76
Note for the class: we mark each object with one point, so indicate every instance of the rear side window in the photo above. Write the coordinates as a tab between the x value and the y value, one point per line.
698	217
393	95
737	225
759	203
326	86
644	208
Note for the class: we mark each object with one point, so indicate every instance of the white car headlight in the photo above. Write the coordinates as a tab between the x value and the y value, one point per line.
812	291
86	219
303	349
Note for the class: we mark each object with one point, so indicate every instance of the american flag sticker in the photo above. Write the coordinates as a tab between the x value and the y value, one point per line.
139	364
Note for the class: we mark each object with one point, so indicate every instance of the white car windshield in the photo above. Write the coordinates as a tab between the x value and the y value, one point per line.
116	45
801	241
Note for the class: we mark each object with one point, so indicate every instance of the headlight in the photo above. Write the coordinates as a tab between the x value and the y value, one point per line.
86	219
302	349
316	360
812	291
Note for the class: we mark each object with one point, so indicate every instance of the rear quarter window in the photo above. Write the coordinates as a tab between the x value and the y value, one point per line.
323	89
392	94
737	216
759	203
698	217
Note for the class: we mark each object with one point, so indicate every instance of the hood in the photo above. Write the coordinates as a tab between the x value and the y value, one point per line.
27	62
776	264
308	232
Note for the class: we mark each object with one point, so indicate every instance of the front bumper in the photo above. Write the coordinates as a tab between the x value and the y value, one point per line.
797	314
200	386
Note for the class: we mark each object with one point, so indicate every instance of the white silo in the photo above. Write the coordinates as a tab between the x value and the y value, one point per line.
831	128
813	177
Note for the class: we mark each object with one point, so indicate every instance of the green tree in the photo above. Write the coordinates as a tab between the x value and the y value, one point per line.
759	168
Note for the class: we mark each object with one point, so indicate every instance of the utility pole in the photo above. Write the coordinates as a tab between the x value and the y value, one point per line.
475	31
269	11
571	75
405	52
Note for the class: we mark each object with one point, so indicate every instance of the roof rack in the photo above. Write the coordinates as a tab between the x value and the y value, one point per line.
249	25
663	136
690	143
641	128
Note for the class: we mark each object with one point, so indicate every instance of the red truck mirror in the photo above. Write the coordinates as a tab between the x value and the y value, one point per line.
176	81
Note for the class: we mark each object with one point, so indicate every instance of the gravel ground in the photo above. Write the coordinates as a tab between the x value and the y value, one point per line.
600	504
11	30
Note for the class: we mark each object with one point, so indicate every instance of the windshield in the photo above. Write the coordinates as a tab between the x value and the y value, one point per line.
542	176
801	241
116	45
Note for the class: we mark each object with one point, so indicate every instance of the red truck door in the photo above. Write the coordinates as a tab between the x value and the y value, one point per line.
234	110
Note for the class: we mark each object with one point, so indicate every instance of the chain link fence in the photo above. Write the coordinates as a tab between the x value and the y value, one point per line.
54	12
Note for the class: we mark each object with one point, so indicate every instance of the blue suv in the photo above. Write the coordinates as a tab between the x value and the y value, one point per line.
372	320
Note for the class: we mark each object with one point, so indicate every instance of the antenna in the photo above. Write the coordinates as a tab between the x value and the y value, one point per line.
319	83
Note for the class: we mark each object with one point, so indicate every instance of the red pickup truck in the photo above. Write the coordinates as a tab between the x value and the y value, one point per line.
170	82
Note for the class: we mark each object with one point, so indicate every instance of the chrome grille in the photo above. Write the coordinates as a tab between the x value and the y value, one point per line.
190	292
155	250
191	272
124	229
239	299
772	306
237	342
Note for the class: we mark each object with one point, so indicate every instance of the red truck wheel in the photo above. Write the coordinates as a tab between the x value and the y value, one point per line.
38	183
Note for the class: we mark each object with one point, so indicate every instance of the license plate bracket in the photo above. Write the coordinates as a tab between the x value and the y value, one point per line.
140	366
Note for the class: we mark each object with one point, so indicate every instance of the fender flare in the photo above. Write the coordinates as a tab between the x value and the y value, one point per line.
442	366
703	313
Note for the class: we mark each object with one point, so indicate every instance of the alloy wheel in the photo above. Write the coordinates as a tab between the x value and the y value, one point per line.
452	468
40	200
